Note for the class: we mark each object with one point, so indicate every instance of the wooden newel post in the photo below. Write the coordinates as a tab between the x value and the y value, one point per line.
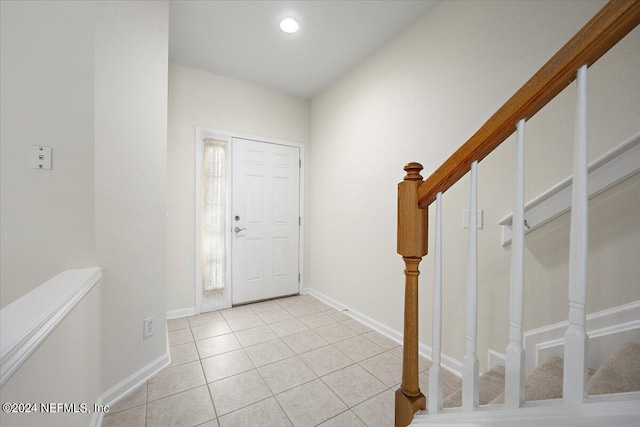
412	245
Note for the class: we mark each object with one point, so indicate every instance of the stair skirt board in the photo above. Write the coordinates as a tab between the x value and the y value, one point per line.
449	363
606	329
495	359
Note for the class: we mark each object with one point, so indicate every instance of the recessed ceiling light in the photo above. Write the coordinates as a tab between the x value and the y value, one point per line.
289	25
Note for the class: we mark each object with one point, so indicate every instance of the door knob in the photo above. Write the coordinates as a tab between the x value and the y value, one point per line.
238	229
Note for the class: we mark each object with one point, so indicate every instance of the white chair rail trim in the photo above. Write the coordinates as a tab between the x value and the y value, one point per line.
28	321
610	169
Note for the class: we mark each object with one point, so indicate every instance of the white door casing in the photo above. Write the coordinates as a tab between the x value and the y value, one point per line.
224	300
266	213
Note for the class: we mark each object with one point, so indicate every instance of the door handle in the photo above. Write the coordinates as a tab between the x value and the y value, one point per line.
238	229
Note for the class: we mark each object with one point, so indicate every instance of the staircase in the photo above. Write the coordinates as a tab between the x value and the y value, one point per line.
620	373
558	392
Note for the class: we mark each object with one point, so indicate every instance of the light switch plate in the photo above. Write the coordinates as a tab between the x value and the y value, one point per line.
465	218
40	157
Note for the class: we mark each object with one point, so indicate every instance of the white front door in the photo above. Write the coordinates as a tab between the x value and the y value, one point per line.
265	220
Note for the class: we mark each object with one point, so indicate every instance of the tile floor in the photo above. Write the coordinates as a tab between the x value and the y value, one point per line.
289	362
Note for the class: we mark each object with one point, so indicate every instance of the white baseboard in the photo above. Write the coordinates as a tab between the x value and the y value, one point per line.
120	390
449	363
362	318
181	312
606	329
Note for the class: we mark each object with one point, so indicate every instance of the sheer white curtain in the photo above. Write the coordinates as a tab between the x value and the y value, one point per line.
213	215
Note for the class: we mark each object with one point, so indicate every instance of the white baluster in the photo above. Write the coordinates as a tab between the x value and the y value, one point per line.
514	369
575	338
470	361
435	377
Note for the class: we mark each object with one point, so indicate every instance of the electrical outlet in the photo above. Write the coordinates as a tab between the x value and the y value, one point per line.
148	327
465	218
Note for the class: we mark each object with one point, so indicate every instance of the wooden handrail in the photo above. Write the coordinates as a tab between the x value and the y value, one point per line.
614	21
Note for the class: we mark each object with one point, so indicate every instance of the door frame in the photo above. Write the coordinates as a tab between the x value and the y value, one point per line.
202	132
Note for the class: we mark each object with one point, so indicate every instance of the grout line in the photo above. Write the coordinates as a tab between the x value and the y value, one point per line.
178	392
358	417
245	407
283	411
182	391
274	394
334	393
295	355
146	401
337	415
213	405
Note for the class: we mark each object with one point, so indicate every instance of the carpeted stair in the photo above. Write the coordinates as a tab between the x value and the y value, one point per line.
490	385
619	373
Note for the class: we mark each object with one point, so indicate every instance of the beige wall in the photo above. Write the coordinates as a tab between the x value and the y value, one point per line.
131	69
90	80
65	368
46	81
198	98
420	97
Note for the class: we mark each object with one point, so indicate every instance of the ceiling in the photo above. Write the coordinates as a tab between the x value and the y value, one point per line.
243	40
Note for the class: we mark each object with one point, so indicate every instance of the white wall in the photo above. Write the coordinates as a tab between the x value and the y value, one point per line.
65	368
90	80
418	99
131	68
46	82
198	98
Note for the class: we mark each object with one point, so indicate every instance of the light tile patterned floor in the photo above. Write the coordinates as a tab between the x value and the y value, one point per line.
288	362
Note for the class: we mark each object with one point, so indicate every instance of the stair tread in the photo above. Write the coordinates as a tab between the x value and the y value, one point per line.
544	382
490	385
618	374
